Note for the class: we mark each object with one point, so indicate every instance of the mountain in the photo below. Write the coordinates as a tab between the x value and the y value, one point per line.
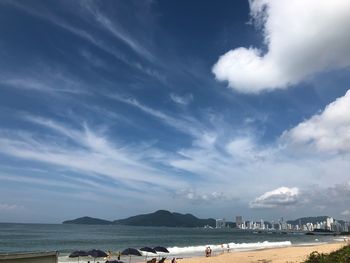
165	218
158	218
88	221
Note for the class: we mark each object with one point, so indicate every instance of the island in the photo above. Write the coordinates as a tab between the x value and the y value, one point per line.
158	218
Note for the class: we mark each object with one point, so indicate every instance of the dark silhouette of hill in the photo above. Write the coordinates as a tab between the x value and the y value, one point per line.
88	221
165	218
158	218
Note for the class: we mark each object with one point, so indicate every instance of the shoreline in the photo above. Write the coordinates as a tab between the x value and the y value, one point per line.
291	254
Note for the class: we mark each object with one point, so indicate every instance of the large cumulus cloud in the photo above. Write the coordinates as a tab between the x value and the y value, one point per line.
328	131
302	38
282	196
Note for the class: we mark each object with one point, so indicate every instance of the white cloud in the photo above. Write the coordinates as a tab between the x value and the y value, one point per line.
242	148
80	32
280	197
92	154
185	124
49	80
183	100
199	198
9	207
302	38
346	212
115	29
328	131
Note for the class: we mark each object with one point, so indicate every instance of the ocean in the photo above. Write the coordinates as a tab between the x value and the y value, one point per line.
181	242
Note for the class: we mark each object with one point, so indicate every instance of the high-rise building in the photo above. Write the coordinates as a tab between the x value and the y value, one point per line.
329	223
239	221
220	223
262	224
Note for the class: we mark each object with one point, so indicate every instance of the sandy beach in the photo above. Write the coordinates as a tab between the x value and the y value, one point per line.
275	255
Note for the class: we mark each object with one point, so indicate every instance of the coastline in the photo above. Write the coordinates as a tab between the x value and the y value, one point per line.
295	254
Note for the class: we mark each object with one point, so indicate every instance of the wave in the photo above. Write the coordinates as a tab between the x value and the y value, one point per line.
232	246
199	250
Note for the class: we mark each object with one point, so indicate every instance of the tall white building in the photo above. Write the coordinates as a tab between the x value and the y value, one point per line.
262	224
239	222
220	223
329	223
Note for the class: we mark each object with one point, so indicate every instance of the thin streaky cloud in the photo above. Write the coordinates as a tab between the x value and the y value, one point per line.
84	34
95	154
185	124
183	100
116	31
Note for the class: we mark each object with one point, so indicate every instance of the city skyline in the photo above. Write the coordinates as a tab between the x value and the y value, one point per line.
116	108
329	224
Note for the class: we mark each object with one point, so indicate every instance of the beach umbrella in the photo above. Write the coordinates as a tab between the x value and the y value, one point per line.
161	249
96	253
148	250
78	254
131	252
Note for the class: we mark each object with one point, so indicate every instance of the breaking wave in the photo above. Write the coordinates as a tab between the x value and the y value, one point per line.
232	246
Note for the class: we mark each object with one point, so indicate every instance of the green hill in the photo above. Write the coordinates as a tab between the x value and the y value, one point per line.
158	218
165	218
88	221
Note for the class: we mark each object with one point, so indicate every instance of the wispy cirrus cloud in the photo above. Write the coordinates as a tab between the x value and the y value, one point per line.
4	207
200	198
87	34
183	100
185	123
115	29
91	153
48	81
214	160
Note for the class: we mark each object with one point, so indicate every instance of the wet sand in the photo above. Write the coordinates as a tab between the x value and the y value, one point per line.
275	255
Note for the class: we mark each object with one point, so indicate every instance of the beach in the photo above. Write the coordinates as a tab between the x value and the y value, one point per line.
275	255
186	243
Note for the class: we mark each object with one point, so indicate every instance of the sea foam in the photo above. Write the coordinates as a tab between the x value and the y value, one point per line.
233	247
199	250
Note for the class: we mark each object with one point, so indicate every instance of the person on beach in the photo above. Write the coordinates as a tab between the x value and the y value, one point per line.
173	260
228	248
207	251
222	247
119	255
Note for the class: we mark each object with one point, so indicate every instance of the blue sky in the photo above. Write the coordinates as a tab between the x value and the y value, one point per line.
114	108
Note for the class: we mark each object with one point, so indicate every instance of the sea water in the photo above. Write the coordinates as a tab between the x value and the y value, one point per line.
181	242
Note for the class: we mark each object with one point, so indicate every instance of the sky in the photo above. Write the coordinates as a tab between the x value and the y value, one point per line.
216	108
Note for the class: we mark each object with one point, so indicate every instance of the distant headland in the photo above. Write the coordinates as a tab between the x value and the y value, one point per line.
158	218
169	219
